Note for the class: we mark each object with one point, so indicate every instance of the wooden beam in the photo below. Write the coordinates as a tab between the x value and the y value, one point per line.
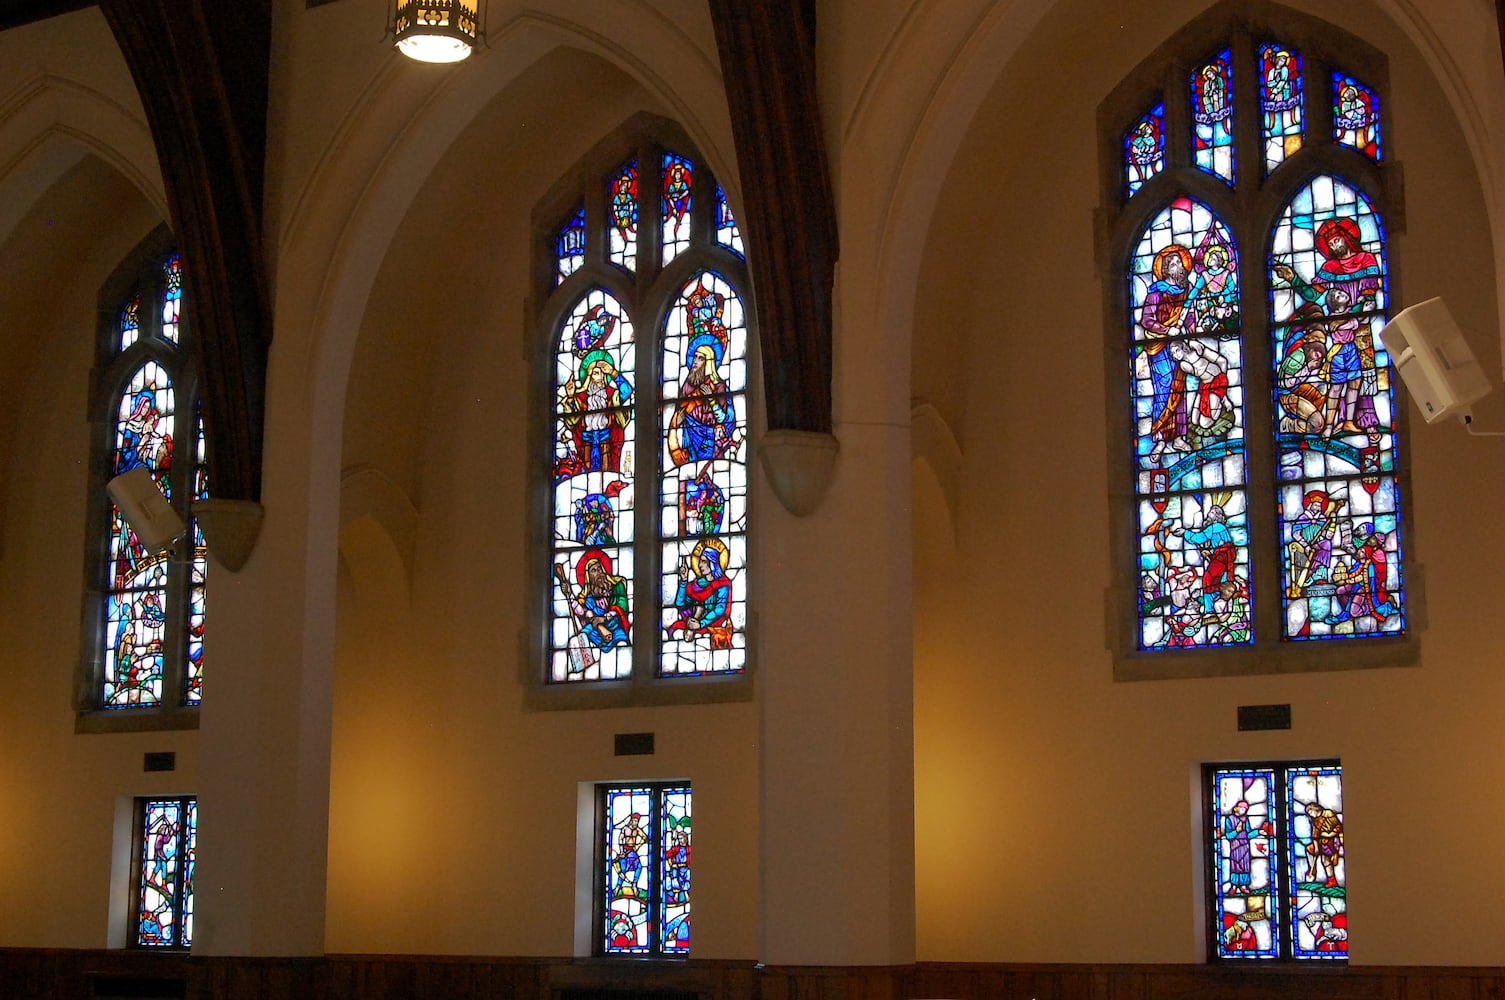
788	214
201	67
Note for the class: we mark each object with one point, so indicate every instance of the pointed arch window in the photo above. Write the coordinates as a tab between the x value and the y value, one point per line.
644	580
145	612
1266	474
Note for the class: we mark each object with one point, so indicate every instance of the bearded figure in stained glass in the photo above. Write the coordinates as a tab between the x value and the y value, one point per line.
592	411
596	517
677	863
704	598
1162	315
627	865
1364	584
704	423
1219	554
1310	550
599	604
1346	266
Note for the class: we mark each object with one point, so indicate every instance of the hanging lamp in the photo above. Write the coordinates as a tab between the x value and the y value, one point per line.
435	31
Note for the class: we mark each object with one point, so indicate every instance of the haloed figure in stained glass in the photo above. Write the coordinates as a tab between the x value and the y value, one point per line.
705	595
704	424
598	606
592	402
144	438
1190	380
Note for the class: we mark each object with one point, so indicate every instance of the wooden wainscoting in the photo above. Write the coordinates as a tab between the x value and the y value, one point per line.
59	974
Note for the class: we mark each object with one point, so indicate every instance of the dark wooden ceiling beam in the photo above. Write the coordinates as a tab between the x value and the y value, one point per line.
201	67
788	214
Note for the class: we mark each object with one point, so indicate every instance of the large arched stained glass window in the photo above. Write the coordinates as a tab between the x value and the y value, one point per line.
145	626
1267	481
647	509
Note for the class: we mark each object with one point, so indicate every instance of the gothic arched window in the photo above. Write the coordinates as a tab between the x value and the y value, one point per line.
144	612
647	325
1248	198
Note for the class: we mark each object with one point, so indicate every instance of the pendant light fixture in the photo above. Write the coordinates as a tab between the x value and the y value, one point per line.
435	31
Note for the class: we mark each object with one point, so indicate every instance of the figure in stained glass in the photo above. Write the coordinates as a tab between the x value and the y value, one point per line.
703	504
677	862
145	438
677	180
704	599
592	415
704	423
1145	148
1318	921
598	606
624	201
569	246
1212	111
1356	120
1363	584
1280	99
1215	544
596	517
627	865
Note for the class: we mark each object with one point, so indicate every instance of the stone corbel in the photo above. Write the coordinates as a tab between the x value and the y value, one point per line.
799	466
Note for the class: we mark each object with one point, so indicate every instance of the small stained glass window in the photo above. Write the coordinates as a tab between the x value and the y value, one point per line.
130	322
172	297
1280	102
166	845
622	202
1144	148
569	246
1212	116
644	872
1356	116
1278	877
727	233
678	180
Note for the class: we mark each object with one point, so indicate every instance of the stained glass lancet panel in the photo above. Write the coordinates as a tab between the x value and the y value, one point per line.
1339	499
160	875
1356	116
193	674
628	845
136	595
1212	116
727	233
678	179
1280	102
1246	860
622	202
1188	392
172	297
703	502
674	902
130	322
590	636
1318	925
569	246
190	863
1144	149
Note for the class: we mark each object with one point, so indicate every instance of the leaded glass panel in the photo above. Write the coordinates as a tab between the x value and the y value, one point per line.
727	233
569	246
1339	499
1212	116
160	876
1318	921
674	838
1188	397
593	523
677	182
172	296
1356	116
1247	862
1144	149
130	322
622	201
1281	102
629	902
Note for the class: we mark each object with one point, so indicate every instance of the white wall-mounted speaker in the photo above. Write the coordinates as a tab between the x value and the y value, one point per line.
1440	371
151	517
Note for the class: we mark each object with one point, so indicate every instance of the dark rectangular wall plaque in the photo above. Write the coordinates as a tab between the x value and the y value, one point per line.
634	744
163	760
1255	717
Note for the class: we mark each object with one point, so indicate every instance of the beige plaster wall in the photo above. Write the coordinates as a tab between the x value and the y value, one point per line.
1055	808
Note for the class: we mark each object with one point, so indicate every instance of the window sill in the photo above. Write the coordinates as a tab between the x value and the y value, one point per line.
137	720
703	690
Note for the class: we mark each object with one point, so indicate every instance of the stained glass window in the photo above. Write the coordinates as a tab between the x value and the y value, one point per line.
645	870
704	496
1189	414
1356	116
1280	102
727	233
674	207
1277	872
1144	148
569	246
150	639
1325	501
166	845
649	585
622	202
1212	114
1339	502
591	633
